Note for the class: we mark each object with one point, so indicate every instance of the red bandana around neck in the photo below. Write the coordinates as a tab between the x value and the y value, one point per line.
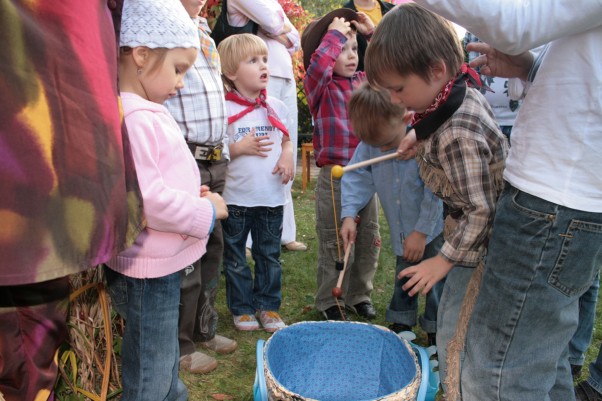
259	101
469	75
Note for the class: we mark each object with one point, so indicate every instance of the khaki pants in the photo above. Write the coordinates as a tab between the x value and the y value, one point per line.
357	283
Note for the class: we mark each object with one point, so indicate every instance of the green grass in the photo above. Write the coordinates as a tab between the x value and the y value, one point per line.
235	373
233	379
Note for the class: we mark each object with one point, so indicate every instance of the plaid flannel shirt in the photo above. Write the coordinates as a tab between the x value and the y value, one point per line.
470	150
200	107
327	96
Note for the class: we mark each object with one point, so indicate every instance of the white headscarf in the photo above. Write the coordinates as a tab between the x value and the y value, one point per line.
157	24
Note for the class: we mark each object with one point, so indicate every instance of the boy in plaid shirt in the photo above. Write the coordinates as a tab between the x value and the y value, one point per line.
330	58
416	56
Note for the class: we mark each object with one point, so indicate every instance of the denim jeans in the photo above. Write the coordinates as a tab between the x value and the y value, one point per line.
595	372
542	257
245	294
357	283
403	308
149	352
587	316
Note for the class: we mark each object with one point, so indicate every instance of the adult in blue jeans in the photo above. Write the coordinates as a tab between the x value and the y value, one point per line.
546	244
583	336
591	389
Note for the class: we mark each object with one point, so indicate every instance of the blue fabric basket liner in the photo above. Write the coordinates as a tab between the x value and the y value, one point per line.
340	361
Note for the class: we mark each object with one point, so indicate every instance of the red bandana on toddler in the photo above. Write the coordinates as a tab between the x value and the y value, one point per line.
259	101
446	103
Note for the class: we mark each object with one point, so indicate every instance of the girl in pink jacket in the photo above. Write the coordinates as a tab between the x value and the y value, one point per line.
158	43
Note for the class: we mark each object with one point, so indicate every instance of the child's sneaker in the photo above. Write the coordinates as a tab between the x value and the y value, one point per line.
246	322
271	321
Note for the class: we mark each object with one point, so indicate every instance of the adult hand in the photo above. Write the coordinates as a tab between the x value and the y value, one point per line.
281	37
493	62
364	24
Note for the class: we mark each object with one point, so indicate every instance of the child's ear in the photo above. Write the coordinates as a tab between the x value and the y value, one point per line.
140	55
231	77
438	70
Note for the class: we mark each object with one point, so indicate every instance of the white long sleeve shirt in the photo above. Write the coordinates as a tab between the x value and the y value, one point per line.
556	151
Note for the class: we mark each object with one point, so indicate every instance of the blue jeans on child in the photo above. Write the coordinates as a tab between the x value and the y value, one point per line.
244	294
403	309
587	316
542	257
595	372
149	352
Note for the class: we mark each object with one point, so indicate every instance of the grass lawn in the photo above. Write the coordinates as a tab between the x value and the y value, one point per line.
233	379
235	373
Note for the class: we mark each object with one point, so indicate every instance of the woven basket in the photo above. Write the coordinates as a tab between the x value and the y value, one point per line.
339	361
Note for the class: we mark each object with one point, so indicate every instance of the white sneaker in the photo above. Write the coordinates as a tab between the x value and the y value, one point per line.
246	322
197	362
271	321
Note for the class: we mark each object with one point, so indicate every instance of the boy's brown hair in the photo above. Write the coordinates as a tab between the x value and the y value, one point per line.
371	109
410	40
235	49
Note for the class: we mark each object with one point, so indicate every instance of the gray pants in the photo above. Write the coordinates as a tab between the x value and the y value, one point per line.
198	317
357	283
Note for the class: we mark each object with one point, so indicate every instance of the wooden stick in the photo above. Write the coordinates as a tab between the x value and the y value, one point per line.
345	260
370	161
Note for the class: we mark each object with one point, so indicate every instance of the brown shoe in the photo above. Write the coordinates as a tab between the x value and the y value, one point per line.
220	344
197	362
295	246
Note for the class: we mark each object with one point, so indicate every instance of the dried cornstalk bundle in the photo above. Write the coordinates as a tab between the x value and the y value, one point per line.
91	341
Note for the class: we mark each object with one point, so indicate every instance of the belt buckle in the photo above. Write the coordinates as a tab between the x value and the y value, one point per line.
215	155
201	152
208	153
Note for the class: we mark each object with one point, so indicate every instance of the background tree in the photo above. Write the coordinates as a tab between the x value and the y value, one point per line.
322	7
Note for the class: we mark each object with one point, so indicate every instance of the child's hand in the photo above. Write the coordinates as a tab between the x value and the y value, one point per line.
364	24
285	166
340	25
407	147
204	190
425	274
348	231
221	210
413	247
251	145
